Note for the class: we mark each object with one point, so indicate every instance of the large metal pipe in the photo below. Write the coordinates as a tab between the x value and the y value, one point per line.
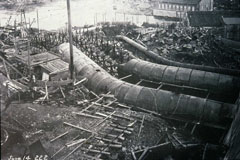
161	101
162	60
214	82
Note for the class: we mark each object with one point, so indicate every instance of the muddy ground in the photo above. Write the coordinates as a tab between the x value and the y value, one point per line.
32	122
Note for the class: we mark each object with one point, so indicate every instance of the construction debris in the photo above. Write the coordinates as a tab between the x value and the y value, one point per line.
159	59
100	114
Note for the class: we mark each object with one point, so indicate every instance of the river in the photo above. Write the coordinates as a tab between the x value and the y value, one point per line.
53	15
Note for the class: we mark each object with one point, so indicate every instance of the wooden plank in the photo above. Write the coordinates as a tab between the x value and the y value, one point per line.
75	142
133	155
75	149
118	146
10	65
103	105
153	147
109	140
33	60
5	67
96	151
143	154
83	129
120	137
130	75
122	117
61	135
62	92
87	115
94	94
122	127
123	106
85	109
105	118
40	83
141	126
120	130
80	82
58	71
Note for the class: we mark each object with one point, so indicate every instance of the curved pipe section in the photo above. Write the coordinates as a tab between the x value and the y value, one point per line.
214	82
156	100
162	60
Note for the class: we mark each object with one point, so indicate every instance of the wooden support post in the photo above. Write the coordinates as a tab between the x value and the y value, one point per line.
29	23
71	67
46	90
29	60
15	28
38	22
25	21
19	97
62	92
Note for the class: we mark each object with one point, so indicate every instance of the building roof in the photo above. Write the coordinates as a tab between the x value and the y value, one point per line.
55	66
231	20
37	58
209	18
190	2
164	13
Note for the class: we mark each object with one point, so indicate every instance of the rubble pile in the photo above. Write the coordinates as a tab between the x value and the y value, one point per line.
68	119
190	45
100	44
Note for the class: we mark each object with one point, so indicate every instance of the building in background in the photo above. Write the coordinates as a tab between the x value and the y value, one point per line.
179	8
231	28
209	18
226	5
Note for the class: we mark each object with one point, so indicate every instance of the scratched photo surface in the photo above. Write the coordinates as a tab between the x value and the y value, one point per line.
120	79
